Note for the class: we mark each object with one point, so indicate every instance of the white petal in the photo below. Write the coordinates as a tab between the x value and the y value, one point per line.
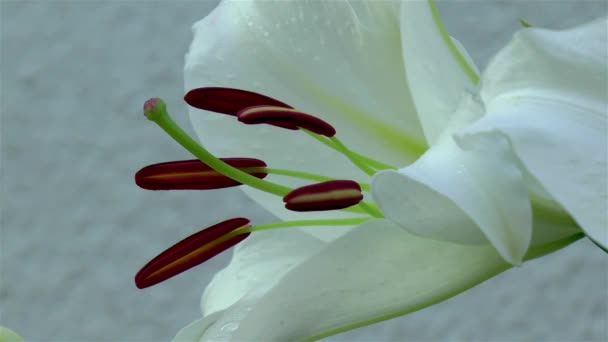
547	91
256	265
466	192
376	272
339	60
438	68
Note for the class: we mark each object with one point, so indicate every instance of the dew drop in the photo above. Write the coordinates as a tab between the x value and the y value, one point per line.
316	58
230	327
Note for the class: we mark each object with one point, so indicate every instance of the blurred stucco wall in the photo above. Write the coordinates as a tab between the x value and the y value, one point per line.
75	228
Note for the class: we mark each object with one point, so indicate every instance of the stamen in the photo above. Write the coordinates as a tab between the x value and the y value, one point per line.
194	174
192	251
156	111
228	100
285	117
331	195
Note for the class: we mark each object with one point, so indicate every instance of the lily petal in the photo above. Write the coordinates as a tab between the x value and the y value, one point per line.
256	265
475	184
338	289
548	92
363	277
338	60
438	83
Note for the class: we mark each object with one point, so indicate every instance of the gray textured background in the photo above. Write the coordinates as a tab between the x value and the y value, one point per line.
75	228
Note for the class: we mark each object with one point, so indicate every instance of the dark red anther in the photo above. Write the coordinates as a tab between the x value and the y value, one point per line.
331	195
194	174
285	117
190	252
228	100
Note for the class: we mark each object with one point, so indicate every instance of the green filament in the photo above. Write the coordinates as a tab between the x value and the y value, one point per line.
302	223
371	208
371	162
300	175
353	158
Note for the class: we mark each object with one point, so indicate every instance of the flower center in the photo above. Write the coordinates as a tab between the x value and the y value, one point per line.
211	172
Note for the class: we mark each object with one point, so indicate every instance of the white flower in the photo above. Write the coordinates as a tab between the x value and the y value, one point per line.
517	160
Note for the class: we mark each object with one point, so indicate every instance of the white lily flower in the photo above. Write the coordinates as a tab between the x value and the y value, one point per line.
490	173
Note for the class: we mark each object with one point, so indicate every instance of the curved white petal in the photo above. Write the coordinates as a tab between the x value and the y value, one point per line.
256	265
362	278
339	60
368	274
438	68
462	190
548	92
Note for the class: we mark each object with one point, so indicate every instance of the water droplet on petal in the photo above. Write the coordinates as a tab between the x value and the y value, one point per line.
230	327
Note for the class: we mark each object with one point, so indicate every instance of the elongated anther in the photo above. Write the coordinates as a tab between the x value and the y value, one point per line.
330	195
190	252
228	100
194	174
287	117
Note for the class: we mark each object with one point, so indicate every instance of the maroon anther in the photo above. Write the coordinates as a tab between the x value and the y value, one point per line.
190	252
285	117
194	174
331	195
228	100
